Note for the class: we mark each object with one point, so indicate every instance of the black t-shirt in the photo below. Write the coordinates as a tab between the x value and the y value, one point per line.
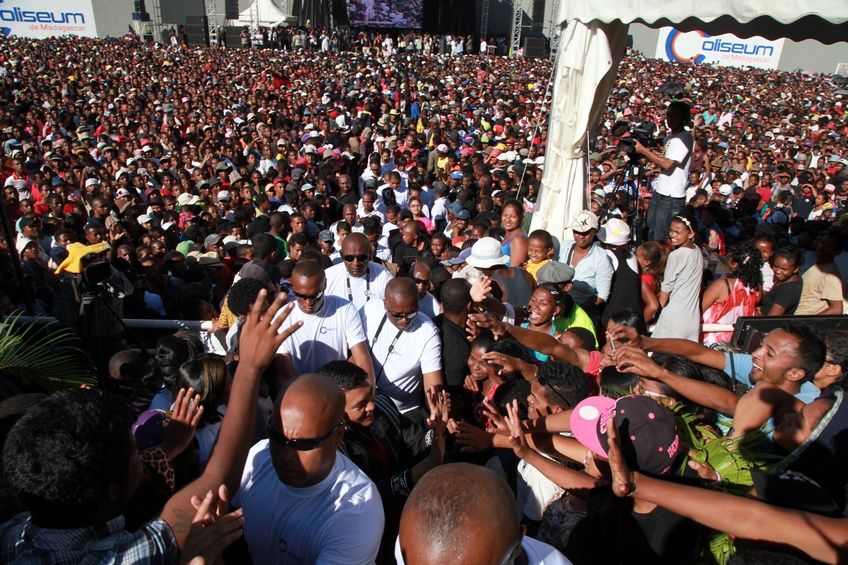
786	294
612	533
803	205
455	351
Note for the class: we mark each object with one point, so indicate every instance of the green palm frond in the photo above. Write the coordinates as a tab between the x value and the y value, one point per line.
47	355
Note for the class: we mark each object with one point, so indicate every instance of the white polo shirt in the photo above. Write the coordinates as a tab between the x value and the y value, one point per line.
322	523
325	336
401	358
358	290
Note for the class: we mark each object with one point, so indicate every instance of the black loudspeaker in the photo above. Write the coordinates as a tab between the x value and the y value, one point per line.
534	48
538	20
232	36
231	11
196	30
749	331
138	6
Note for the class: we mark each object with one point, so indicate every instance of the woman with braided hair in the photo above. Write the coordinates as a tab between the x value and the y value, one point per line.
737	295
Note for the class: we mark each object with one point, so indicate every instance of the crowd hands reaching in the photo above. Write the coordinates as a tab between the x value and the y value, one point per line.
396	370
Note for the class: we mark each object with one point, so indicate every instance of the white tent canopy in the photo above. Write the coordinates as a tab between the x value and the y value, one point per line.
592	45
265	13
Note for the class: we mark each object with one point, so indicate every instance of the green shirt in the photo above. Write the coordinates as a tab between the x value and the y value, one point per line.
578	319
282	248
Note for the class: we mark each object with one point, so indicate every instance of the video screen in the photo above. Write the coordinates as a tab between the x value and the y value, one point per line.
385	13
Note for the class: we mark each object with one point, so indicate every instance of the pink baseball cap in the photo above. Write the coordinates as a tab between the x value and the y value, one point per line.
587	416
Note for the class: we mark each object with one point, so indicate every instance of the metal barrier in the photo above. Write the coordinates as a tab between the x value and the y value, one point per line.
206	325
139	323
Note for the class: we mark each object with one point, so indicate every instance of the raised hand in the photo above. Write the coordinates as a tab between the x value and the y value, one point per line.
438	402
259	338
516	431
623	483
498	421
471	439
508	365
211	531
185	415
629	359
483	321
617	332
480	289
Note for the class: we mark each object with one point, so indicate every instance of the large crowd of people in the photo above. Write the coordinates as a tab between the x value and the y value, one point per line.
394	366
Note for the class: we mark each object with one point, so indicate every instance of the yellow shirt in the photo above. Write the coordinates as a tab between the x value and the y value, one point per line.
533	268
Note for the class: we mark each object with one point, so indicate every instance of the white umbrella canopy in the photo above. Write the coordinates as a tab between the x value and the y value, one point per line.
591	49
585	72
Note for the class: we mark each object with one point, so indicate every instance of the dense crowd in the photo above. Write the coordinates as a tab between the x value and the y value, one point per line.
395	367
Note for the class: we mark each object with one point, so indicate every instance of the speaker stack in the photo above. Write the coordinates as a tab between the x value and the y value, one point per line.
231	11
534	48
196	30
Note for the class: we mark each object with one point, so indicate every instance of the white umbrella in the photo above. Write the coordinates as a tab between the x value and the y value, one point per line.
586	69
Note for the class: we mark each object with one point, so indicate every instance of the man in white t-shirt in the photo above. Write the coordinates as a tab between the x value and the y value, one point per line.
357	279
669	194
462	513
331	330
303	502
406	350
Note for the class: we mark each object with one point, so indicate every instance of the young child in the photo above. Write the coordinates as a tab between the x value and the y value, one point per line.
540	249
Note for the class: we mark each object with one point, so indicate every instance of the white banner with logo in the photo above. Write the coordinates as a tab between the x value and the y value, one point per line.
726	50
47	18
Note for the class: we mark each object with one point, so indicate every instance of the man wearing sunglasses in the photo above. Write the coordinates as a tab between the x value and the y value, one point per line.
357	279
405	348
303	502
332	330
427	303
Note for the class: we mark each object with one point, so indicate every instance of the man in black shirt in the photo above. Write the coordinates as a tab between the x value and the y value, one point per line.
455	296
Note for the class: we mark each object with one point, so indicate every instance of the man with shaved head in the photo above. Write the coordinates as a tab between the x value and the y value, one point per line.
303	502
356	279
461	513
405	347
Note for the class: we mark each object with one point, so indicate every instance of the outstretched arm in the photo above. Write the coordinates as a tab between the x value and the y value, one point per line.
694	351
824	539
258	344
629	359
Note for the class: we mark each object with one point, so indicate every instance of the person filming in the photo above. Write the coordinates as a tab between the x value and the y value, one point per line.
669	189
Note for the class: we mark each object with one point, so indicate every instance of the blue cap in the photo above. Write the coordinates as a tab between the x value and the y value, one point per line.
456	175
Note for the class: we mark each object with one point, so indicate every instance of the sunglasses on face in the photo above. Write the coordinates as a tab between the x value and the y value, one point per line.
315	296
299	444
351	258
401	315
421	281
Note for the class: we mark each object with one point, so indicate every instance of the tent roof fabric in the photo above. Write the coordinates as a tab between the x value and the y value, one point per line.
825	21
268	13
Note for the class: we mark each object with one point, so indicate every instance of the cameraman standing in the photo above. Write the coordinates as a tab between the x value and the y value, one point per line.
669	188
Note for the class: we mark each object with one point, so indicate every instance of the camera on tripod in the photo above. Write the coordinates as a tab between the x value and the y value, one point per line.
644	133
96	274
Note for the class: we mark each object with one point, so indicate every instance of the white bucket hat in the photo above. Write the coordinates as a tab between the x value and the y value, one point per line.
486	253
